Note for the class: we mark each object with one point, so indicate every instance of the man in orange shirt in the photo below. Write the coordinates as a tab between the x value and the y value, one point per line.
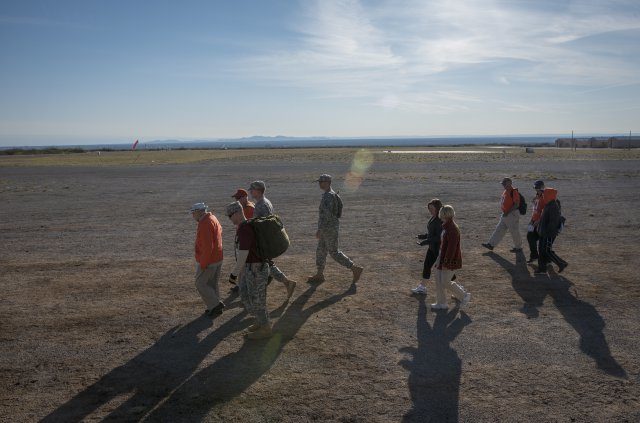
509	219
242	196
208	253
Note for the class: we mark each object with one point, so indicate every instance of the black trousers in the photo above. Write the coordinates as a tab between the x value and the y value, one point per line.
546	253
532	239
429	261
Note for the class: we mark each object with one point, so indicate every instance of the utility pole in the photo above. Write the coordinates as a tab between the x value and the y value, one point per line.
573	143
629	142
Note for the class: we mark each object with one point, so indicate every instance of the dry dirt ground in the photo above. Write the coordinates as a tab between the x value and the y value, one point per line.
100	319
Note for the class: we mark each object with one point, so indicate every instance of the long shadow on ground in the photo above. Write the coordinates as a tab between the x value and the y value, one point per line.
151	375
434	379
582	316
234	373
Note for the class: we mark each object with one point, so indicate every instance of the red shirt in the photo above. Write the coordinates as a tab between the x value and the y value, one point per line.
509	199
208	241
248	211
247	241
450	253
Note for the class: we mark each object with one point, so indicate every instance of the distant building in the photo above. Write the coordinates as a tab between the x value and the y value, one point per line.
599	142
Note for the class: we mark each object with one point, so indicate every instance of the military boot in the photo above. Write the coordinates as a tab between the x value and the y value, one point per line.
317	278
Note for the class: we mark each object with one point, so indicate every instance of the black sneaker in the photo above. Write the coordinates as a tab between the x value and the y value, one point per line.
562	266
217	310
488	246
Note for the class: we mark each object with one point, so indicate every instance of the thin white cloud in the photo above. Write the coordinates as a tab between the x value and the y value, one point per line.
392	54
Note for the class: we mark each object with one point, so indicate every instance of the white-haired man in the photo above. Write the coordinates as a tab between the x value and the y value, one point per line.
208	254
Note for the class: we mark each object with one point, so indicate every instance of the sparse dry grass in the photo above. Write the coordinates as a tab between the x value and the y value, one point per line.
165	157
99	316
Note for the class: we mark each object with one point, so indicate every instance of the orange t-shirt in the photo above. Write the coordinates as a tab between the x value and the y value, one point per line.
547	195
508	199
248	211
208	241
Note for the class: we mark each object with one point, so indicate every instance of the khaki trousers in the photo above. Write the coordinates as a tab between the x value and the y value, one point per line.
443	283
207	284
509	222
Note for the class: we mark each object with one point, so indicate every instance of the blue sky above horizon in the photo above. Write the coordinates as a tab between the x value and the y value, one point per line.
112	71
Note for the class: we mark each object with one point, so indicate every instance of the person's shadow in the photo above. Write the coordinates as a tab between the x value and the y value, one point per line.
232	374
582	316
151	375
435	368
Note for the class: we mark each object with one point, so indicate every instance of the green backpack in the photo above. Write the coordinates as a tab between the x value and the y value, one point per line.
271	237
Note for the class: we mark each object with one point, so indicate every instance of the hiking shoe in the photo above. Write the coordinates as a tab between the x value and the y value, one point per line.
488	246
562	266
291	286
465	301
516	250
357	272
420	289
317	278
262	332
437	306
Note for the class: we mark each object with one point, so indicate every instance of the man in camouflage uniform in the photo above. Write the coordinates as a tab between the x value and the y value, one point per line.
253	273
263	208
328	230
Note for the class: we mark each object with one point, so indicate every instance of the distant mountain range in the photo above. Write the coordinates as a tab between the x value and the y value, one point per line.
281	141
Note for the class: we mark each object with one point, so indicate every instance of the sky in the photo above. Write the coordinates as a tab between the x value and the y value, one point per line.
114	71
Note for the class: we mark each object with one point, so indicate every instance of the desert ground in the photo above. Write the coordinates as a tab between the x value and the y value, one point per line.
100	318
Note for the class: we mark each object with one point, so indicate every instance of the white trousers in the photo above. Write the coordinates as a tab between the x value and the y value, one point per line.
509	222
444	283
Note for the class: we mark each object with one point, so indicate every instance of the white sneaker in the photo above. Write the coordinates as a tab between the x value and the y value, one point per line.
437	306
420	289
465	301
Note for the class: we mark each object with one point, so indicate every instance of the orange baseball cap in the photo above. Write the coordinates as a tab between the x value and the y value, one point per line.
240	193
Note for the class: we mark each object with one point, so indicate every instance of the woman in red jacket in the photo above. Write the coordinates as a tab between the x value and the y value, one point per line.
449	260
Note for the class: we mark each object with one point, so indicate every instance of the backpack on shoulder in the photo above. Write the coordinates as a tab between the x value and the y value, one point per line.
522	207
338	206
271	238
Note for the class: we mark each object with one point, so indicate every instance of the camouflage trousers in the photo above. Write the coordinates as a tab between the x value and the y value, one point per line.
253	290
277	273
328	244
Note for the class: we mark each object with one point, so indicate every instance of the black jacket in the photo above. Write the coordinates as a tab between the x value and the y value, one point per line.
432	237
550	220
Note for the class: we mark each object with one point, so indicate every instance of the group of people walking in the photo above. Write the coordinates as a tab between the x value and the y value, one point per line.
545	225
443	238
252	273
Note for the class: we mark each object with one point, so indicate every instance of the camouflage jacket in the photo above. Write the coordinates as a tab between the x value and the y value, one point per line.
327	218
263	208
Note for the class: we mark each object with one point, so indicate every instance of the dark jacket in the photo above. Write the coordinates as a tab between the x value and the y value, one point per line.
550	220
432	237
450	252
